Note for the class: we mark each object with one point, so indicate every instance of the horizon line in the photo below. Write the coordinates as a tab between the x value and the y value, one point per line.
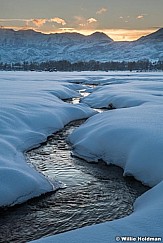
117	35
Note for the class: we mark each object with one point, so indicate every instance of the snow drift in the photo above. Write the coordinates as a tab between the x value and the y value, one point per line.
30	111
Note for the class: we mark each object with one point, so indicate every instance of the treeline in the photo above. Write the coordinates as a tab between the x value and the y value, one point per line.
52	66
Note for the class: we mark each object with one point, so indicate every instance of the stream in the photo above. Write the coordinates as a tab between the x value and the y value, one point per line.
91	193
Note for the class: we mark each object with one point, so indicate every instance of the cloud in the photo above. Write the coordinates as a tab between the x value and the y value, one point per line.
102	10
82	25
91	20
37	22
83	22
40	22
58	21
140	17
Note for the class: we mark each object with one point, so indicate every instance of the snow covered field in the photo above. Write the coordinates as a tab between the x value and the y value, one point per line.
130	136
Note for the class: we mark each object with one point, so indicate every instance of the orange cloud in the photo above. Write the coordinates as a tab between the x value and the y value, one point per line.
38	22
102	10
140	17
58	21
91	20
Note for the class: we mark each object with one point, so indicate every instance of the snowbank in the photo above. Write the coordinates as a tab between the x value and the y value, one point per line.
128	94
30	110
131	138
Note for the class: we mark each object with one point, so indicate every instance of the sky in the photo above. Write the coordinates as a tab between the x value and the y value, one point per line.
120	19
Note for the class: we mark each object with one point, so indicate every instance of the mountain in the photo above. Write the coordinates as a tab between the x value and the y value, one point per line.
99	36
30	38
156	36
28	45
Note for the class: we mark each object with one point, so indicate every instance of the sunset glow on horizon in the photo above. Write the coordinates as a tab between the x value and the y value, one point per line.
115	34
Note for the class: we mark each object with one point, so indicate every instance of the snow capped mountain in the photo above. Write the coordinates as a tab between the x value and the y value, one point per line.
99	36
156	36
28	45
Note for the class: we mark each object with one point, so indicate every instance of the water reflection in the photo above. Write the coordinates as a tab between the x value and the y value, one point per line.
94	193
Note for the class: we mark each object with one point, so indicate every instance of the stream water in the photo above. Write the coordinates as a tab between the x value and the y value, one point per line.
91	193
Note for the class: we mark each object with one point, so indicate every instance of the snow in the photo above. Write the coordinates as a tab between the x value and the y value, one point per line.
128	94
131	137
17	46
30	110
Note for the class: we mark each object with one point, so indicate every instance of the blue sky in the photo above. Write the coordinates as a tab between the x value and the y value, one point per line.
121	19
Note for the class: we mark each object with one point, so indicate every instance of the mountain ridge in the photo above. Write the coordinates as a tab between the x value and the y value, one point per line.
155	36
29	45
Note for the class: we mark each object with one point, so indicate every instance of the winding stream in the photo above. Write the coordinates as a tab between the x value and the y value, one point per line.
92	193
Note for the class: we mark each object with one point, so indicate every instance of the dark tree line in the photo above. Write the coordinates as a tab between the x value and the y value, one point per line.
51	66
